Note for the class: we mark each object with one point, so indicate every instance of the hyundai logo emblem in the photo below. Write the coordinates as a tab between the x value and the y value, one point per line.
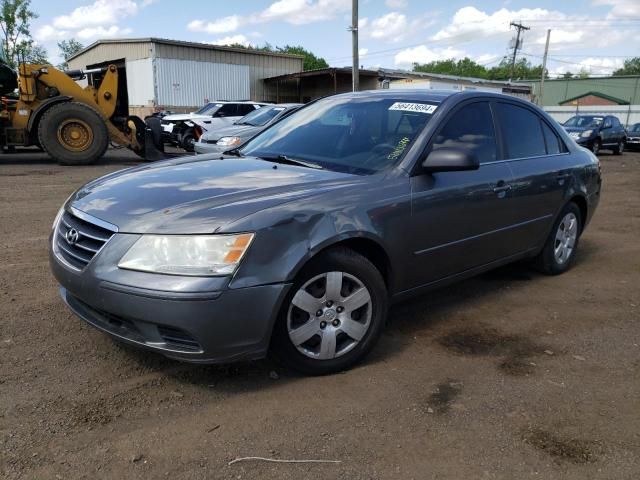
72	236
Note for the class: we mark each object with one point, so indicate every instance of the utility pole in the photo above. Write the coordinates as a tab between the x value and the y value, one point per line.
355	74
544	68
516	46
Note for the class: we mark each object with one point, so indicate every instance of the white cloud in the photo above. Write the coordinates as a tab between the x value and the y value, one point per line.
47	33
424	54
299	12
396	3
104	32
591	65
393	27
363	52
101	12
620	8
232	39
296	12
222	25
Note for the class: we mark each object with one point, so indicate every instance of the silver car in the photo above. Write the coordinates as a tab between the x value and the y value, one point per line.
224	138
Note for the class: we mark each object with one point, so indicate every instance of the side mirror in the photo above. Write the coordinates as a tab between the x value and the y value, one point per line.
448	159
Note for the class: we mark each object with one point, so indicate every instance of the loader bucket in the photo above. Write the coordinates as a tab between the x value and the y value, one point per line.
153	144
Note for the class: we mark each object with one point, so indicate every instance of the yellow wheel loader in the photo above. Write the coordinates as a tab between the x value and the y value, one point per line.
73	124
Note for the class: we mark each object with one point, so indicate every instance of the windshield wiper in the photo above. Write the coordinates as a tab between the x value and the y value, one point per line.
235	152
291	161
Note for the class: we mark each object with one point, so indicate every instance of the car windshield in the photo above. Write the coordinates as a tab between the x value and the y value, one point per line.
260	117
208	109
360	135
584	121
635	128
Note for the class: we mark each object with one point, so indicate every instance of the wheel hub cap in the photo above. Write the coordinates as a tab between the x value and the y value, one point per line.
329	315
75	135
566	236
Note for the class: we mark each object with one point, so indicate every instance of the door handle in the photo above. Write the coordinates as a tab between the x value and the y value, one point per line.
502	188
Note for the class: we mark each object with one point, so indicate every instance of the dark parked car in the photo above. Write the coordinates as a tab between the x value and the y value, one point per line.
219	140
633	137
596	132
298	241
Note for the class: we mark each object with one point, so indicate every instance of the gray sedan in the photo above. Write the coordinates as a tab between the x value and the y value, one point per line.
298	241
225	138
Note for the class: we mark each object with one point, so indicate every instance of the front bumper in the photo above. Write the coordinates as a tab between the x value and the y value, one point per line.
633	143
194	326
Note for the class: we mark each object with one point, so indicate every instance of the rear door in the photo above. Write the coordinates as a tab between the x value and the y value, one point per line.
541	170
460	219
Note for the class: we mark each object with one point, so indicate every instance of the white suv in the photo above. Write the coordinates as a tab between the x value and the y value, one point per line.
183	129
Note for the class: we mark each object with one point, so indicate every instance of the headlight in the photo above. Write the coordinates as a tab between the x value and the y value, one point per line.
229	141
586	133
187	254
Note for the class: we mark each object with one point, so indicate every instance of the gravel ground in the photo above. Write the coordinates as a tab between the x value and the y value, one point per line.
510	375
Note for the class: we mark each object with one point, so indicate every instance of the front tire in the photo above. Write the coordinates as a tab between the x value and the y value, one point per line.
333	315
618	149
595	148
73	134
561	245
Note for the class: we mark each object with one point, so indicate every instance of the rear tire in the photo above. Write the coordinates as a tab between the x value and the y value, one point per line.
561	245
73	133
333	315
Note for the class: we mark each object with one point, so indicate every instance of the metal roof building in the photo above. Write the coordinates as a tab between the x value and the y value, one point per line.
180	76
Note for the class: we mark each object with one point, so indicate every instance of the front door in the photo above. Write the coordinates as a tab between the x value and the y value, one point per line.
460	219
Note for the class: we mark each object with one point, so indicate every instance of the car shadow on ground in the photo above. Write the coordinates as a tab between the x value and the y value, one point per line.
416	317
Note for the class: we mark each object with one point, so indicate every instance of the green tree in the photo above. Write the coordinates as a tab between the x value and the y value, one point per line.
68	48
463	68
311	61
33	53
15	23
631	67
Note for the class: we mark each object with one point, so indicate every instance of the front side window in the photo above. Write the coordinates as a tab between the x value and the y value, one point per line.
361	135
227	110
521	131
470	129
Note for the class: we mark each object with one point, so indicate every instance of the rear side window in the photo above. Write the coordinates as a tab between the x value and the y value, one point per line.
551	139
470	129
521	131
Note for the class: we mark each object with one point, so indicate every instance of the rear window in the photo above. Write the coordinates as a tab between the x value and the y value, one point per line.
554	144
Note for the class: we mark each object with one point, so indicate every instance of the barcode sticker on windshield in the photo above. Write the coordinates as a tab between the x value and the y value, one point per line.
413	107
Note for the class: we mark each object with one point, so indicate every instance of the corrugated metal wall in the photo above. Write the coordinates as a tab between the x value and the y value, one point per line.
557	91
260	65
140	83
112	51
183	83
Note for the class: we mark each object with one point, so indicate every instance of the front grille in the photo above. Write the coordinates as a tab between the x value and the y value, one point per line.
77	241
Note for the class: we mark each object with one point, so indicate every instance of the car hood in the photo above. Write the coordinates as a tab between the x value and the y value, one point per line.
181	117
199	194
242	131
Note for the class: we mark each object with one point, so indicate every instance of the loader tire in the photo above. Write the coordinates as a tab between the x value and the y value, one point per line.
73	133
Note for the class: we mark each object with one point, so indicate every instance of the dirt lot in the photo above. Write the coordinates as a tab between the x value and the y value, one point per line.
510	375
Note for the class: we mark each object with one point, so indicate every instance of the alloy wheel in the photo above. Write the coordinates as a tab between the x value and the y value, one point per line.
566	236
329	315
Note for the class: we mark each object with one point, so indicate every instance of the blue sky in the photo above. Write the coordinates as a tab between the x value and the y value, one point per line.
593	35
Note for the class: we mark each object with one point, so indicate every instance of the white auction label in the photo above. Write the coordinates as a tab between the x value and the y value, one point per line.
413	107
